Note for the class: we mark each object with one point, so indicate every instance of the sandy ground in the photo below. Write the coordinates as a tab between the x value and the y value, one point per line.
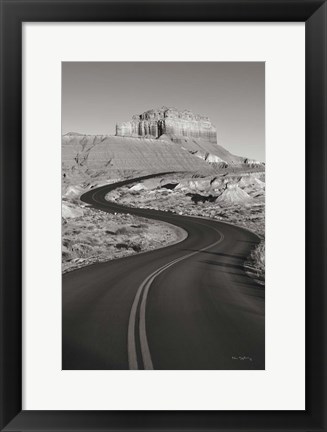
90	236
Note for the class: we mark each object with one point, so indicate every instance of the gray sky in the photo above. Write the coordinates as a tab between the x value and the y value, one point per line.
95	96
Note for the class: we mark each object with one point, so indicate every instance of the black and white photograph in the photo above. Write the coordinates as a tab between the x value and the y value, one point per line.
163	215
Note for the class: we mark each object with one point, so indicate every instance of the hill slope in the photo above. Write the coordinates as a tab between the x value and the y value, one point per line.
103	156
205	148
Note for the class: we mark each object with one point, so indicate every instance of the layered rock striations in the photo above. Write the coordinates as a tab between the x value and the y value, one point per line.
91	158
168	121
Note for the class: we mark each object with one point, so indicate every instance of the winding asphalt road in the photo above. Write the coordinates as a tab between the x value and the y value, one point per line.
186	306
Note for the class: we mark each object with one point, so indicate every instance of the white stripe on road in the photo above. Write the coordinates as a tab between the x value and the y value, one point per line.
145	287
132	356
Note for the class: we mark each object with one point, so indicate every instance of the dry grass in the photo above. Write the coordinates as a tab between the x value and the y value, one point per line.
256	262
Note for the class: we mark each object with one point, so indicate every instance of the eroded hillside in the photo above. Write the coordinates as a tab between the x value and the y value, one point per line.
237	199
88	159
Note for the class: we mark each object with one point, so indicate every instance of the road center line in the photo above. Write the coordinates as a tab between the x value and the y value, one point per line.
145	287
131	345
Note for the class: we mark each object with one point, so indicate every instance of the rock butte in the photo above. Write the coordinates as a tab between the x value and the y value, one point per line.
168	121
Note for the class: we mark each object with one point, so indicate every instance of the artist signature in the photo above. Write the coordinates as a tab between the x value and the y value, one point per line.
242	358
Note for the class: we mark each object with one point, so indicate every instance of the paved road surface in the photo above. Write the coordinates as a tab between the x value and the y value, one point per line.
186	306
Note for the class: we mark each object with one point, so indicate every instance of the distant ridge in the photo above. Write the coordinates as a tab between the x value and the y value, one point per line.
73	134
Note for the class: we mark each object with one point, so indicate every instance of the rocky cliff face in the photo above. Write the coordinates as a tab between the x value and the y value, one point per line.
169	121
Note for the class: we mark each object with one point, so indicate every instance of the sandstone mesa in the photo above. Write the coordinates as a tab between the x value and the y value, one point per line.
168	121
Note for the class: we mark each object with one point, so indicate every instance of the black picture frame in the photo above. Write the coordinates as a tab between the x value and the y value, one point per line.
13	14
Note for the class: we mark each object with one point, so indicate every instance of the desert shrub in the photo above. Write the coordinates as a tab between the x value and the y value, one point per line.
136	248
257	258
91	240
122	230
122	246
75	201
259	254
66	243
66	256
82	249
